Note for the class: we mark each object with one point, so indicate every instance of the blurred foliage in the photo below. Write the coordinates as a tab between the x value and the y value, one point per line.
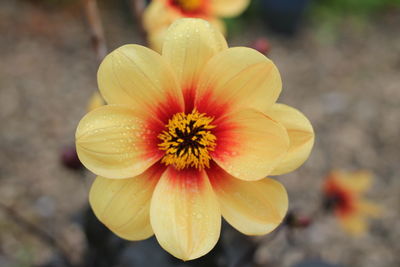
351	7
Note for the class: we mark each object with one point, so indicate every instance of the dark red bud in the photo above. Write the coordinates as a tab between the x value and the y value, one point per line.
262	45
69	158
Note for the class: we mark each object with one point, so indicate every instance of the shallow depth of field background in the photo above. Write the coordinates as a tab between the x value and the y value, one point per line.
341	68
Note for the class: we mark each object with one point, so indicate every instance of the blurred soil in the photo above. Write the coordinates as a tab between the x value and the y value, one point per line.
346	80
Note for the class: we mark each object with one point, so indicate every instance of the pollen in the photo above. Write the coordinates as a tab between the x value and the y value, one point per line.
188	140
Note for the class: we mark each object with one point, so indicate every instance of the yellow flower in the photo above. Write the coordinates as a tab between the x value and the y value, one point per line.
159	15
187	136
343	193
95	101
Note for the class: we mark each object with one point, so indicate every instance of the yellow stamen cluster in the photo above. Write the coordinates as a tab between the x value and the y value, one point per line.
188	5
188	140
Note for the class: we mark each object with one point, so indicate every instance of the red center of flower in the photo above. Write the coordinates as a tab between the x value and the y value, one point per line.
190	8
338	198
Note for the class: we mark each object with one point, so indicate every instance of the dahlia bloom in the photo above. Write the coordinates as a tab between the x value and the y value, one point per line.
343	194
159	15
188	136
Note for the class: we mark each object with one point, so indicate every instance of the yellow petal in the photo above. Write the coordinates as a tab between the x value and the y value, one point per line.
253	208
359	181
301	135
123	205
370	209
228	8
188	46
354	224
238	77
157	16
185	214
218	24
156	39
139	77
95	101
249	144
117	142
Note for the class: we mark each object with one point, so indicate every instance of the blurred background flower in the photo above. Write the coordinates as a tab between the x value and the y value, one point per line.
344	196
159	15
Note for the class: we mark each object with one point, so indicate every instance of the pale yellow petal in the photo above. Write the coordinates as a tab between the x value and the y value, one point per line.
354	224
369	208
123	205
358	181
157	16
188	46
156	39
95	101
117	142
139	77
219	25
252	207
301	135
249	144
185	213
238	77
228	8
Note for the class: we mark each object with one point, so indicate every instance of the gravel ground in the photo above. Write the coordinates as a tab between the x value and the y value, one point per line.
346	80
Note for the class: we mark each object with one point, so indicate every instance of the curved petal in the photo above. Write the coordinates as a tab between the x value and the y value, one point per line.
185	214
117	142
95	101
238	77
228	8
218	24
358	181
157	15
253	208
139	77
249	144
354	224
301	135
189	44
123	205
369	208
156	39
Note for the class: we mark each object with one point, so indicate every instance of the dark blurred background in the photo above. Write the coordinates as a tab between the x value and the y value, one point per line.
340	65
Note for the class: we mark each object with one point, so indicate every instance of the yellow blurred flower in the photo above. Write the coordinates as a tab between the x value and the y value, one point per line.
95	101
159	15
344	194
188	136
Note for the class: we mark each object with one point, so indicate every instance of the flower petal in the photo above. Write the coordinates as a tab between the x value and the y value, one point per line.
95	101
123	205
228	8
301	135
249	144
156	39
185	214
354	224
369	208
189	44
359	181
238	77
157	15
139	77
117	142
253	208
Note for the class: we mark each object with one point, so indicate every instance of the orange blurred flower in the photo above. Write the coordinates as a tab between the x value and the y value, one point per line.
344	195
161	13
188	136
